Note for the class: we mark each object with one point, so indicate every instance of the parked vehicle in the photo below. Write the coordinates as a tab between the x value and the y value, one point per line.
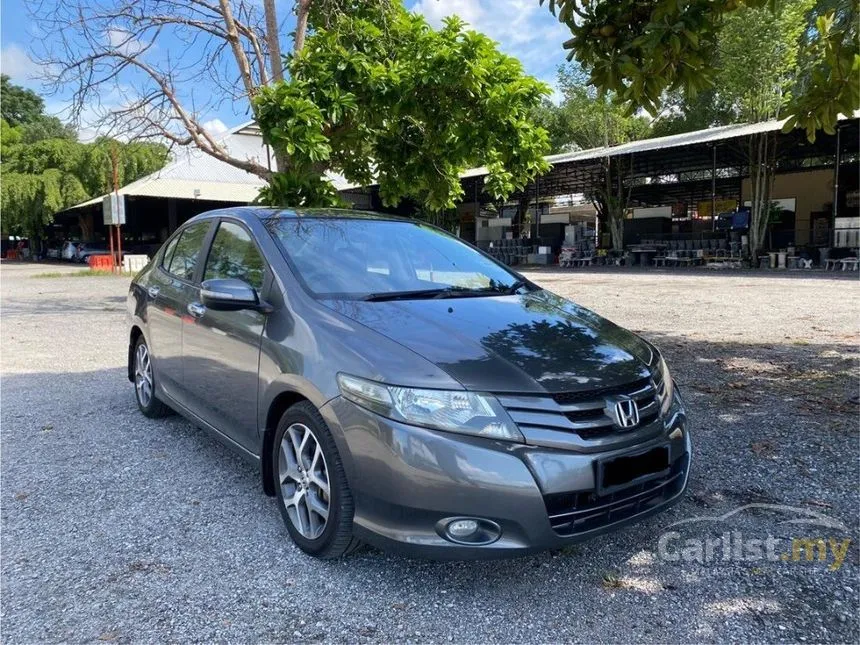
69	251
397	386
86	249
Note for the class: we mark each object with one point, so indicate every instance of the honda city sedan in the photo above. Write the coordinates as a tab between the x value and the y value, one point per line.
397	386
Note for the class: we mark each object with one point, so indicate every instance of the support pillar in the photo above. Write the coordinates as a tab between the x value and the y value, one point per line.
838	161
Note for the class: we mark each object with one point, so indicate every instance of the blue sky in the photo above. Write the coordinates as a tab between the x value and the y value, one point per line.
521	27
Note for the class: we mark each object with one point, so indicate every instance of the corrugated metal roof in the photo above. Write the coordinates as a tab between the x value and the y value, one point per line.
193	170
720	133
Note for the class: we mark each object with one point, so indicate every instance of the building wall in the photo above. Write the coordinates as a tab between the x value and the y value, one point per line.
812	190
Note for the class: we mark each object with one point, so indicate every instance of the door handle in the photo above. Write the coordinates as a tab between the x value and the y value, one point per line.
153	292
196	309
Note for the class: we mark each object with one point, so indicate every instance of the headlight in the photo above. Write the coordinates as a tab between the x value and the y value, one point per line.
450	410
667	388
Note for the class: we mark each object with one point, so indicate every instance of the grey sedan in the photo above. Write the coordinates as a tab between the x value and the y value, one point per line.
395	385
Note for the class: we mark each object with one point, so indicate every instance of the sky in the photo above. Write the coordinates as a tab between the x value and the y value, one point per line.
522	28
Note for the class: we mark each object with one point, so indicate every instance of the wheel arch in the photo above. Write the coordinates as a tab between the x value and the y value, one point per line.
279	405
136	332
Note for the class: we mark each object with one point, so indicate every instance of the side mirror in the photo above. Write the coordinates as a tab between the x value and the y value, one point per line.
228	294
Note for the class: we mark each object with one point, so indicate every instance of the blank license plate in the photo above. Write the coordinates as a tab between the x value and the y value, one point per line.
626	469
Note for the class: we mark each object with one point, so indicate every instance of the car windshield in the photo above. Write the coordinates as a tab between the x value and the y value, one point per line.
386	260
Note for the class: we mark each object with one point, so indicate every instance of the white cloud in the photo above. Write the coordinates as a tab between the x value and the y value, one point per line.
436	10
122	41
17	64
215	127
523	28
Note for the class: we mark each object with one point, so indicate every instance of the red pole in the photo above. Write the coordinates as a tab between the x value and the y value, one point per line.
114	158
119	248
112	259
119	245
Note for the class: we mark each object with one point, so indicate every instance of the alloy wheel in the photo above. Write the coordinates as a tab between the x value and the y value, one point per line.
303	477
143	375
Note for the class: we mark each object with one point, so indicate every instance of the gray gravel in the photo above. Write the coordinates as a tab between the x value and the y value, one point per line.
118	528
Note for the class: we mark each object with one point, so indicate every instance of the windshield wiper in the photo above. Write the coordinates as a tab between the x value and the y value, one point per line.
416	294
430	294
516	286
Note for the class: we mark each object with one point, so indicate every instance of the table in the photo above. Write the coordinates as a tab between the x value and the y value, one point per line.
642	253
830	264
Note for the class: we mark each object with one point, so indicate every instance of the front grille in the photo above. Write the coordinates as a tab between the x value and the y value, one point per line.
582	413
564	398
578	512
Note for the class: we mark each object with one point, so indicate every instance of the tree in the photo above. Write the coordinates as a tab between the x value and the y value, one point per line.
43	178
9	135
680	114
128	47
228	50
46	127
378	94
24	118
585	119
18	105
759	50
643	50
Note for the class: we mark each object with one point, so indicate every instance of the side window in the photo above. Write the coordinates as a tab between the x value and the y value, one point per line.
187	250
168	252
234	255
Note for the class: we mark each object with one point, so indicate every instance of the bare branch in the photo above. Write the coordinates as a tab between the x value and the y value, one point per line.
238	52
273	40
119	61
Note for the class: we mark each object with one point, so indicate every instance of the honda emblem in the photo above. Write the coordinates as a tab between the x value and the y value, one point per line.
627	413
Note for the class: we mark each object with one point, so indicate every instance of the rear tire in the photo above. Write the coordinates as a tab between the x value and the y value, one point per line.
310	483
144	382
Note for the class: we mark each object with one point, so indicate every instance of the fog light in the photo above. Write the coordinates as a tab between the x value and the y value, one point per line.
460	529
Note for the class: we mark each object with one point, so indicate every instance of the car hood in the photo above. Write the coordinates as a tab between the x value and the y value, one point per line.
536	342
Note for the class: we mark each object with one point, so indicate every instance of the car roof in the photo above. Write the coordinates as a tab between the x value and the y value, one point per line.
266	213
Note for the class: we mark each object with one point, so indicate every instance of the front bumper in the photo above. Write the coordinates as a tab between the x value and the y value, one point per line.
405	480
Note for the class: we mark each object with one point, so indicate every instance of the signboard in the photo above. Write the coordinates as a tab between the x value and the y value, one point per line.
786	204
658	211
113	209
555	218
723	206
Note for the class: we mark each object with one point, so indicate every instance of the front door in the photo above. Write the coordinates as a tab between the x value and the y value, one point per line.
221	349
169	291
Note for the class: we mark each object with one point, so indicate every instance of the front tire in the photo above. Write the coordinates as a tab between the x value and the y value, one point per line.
144	382
310	482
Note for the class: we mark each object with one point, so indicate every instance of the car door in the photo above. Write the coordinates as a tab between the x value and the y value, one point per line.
170	289
221	349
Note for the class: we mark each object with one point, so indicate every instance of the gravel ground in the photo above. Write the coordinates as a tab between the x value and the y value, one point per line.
119	528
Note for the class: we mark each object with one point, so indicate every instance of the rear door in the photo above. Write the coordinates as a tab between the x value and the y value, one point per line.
221	349
171	288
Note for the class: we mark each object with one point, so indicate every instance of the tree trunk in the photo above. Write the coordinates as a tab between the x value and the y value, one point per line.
85	223
616	229
273	41
616	203
302	9
761	154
